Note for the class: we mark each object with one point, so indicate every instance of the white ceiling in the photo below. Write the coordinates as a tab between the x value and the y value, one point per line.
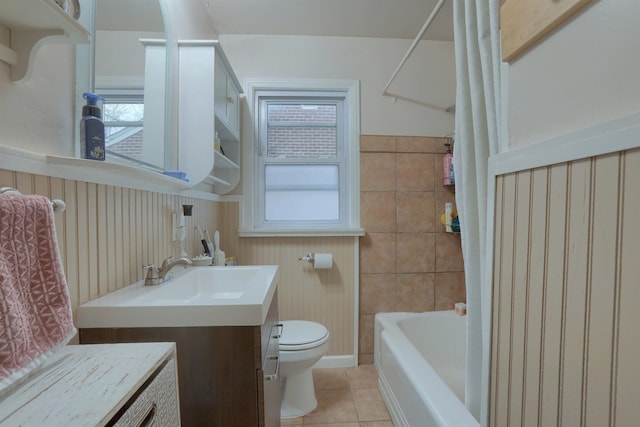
350	18
401	19
127	15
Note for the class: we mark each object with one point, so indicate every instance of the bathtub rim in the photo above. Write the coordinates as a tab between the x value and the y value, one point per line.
444	405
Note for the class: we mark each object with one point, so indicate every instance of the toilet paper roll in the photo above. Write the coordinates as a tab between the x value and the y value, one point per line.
322	261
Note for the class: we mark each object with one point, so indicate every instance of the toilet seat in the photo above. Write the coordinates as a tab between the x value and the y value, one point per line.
302	335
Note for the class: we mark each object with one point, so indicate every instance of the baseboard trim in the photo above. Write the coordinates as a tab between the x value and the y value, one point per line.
341	361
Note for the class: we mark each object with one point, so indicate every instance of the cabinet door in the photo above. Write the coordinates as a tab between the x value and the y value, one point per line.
226	103
269	381
220	90
269	396
233	109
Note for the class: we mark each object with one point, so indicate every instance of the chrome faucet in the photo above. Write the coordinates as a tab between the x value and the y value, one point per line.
156	276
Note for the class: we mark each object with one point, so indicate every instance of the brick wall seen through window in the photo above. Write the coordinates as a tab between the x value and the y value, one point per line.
301	130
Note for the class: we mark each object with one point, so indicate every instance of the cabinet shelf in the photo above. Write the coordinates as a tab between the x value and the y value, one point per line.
34	23
215	180
223	162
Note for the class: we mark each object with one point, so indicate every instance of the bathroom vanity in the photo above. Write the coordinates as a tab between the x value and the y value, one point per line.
224	321
121	385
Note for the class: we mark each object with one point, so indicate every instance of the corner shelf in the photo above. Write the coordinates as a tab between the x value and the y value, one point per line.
225	174
224	161
34	23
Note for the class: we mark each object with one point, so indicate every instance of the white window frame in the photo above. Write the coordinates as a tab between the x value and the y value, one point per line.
122	96
250	224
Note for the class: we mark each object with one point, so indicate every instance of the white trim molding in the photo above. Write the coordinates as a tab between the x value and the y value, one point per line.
340	361
603	138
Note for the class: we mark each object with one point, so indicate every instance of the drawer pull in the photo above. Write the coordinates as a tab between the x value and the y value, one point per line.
275	375
149	417
279	333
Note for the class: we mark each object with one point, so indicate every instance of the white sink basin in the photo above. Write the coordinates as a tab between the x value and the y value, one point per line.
197	296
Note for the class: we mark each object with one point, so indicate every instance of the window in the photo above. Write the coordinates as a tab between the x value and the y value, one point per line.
123	117
123	128
305	157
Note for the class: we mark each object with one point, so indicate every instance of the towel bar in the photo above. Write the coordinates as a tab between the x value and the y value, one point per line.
58	205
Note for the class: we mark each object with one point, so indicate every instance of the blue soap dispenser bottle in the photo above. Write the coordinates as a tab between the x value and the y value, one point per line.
92	129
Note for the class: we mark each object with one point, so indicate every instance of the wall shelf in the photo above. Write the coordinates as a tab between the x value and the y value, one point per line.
222	161
214	180
107	173
34	23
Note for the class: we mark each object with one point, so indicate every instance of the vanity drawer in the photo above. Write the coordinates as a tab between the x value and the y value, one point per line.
268	376
270	333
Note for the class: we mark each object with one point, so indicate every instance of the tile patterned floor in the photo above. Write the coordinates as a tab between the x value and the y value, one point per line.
346	398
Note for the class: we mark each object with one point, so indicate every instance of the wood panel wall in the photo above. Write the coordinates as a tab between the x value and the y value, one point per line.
323	296
108	233
566	291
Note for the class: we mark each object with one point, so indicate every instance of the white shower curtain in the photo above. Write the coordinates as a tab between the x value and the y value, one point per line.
477	136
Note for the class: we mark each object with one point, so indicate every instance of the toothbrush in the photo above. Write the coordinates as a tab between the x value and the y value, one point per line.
203	241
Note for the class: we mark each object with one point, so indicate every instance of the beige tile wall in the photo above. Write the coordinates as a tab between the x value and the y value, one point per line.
407	261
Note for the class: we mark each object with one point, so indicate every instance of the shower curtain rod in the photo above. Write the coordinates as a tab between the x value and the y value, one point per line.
426	25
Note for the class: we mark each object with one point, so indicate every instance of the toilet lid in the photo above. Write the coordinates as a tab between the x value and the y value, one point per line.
296	333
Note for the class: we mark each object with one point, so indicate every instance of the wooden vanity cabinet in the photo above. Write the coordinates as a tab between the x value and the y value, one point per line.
227	374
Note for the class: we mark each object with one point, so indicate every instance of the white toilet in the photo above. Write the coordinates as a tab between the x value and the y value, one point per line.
302	344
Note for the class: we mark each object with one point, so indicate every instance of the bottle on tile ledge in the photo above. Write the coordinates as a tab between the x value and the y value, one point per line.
92	144
447	167
448	212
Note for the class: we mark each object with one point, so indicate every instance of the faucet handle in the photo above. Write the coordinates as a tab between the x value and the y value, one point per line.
152	271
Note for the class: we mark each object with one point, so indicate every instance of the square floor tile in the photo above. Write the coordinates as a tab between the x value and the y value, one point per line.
334	406
363	376
369	405
329	379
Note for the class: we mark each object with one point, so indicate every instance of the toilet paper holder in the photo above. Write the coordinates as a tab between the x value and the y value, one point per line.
310	257
318	261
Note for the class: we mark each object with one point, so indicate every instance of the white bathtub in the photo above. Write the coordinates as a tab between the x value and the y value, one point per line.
420	359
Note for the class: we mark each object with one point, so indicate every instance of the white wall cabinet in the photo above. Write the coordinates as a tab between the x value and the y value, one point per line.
33	23
209	97
122	385
155	77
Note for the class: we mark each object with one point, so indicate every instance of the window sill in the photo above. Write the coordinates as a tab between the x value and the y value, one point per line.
332	232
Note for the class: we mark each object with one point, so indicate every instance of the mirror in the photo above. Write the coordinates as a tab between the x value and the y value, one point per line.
130	73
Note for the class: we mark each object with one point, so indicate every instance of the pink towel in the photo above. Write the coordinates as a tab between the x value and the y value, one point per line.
35	309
